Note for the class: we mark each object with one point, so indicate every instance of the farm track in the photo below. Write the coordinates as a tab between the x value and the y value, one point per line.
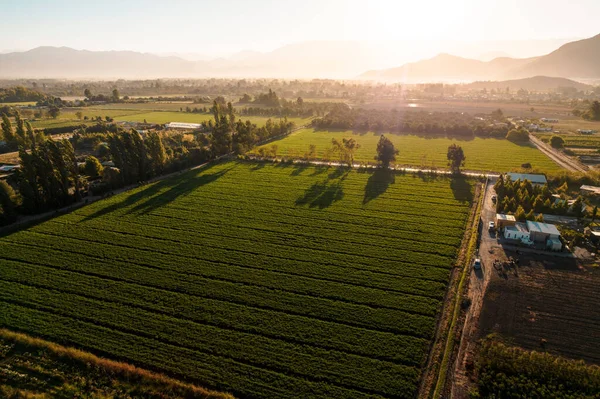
257	282
556	156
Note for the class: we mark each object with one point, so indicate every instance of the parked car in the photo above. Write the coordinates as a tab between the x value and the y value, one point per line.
491	226
477	264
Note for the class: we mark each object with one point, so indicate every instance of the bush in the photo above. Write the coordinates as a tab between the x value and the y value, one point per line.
93	168
518	136
557	142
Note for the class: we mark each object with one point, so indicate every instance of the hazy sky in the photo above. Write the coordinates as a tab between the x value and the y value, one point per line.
219	27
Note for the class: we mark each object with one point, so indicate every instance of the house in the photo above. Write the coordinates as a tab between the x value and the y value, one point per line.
9	168
501	220
549	120
518	231
542	232
592	235
593	190
183	125
558	199
536	179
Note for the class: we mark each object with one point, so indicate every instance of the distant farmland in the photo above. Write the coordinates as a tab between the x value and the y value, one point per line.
157	115
497	155
264	281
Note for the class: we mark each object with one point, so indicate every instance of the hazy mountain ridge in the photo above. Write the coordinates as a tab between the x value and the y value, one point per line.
579	59
300	60
313	59
535	83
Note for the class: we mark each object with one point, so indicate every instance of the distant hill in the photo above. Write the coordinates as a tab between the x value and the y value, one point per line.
64	62
575	60
579	59
536	83
314	59
446	67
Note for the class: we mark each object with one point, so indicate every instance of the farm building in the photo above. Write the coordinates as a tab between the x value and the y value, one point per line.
533	178
518	231
594	190
535	232
541	232
586	131
549	120
501	220
183	125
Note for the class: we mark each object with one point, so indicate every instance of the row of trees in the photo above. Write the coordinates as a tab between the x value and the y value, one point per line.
523	199
22	135
453	124
510	372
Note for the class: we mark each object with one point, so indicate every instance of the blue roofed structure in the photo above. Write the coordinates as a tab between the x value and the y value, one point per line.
533	178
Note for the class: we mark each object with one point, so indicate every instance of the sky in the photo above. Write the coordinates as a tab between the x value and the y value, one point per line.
218	28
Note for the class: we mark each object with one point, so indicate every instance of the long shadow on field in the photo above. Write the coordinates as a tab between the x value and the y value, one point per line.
378	183
177	186
323	194
175	191
461	189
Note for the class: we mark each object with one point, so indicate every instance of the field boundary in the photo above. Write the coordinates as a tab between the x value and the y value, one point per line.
437	353
456	330
114	368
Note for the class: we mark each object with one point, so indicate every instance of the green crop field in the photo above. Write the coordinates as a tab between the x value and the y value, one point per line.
68	117
482	154
574	140
261	280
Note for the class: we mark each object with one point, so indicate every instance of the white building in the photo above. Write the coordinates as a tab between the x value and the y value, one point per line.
518	232
183	125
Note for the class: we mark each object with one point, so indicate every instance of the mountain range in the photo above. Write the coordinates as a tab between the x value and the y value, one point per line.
576	60
318	59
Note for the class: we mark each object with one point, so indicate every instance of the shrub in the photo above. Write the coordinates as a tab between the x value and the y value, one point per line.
557	142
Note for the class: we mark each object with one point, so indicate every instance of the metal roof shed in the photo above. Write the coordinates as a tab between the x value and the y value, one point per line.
533	178
540	232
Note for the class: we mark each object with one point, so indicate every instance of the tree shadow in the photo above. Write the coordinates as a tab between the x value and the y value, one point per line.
461	188
323	194
258	165
299	168
153	198
181	188
378	183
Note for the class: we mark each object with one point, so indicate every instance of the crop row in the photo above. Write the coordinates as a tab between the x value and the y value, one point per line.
308	362
234	238
416	277
380	224
290	220
441	198
231	316
203	249
213	371
353	314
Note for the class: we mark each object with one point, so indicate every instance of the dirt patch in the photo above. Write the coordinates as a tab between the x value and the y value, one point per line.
549	304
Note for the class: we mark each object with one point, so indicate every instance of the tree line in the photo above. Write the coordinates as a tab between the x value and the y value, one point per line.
511	372
453	124
52	176
523	199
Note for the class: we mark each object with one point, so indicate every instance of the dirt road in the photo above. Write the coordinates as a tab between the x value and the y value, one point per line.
478	283
557	156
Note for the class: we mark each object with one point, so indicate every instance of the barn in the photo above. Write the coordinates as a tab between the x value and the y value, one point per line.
542	232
